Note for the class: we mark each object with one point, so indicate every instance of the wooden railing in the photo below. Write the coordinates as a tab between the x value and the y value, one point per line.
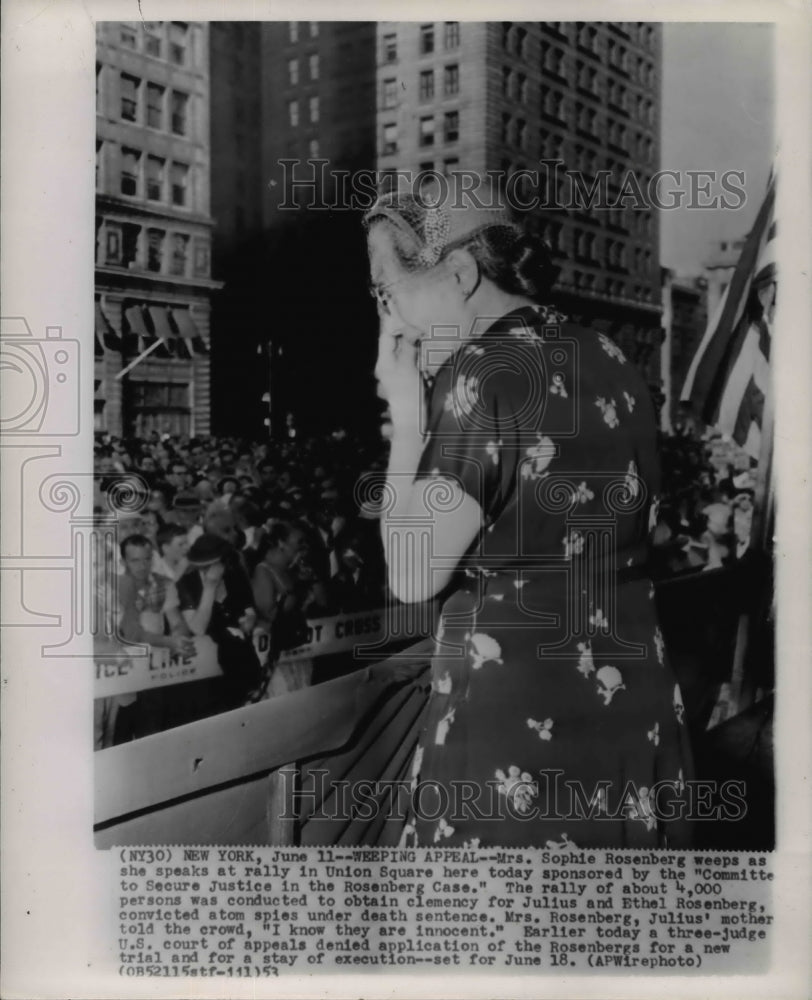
250	776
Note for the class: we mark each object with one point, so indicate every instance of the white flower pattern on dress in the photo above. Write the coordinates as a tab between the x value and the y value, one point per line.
612	349
586	665
598	620
573	544
564	843
492	449
679	707
653	513
464	397
442	830
610	681
557	387
544	729
443	684
582	494
472	844
484	649
631	402
654	734
538	458
632	481
518	787
640	808
609	410
523	333
443	726
659	644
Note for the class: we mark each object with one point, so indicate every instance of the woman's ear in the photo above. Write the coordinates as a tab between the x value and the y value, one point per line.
465	270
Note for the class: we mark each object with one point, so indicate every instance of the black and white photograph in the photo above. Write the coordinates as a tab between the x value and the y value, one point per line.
404	501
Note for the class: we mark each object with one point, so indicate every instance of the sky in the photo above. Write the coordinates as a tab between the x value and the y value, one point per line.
717	114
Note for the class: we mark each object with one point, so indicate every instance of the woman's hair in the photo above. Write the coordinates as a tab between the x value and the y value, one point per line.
280	531
517	262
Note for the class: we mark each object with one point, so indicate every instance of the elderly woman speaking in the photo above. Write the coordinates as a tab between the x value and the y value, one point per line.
521	481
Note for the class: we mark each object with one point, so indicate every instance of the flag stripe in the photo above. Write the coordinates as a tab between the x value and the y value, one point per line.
718	352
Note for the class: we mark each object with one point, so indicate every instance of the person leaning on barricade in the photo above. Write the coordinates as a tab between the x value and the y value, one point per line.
216	601
150	614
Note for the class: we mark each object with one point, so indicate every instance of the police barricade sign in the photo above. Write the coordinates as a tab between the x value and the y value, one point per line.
369	633
143	671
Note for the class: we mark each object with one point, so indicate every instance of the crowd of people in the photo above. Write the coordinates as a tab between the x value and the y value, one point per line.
229	536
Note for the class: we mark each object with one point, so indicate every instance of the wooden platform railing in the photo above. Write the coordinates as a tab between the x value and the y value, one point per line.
250	776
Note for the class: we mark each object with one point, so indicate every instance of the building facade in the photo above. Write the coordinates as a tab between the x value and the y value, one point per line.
513	97
153	228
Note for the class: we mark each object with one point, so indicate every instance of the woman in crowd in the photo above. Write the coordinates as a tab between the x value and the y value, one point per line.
216	601
279	605
549	658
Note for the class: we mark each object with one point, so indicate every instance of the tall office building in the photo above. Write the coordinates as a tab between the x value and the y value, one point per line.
153	228
503	96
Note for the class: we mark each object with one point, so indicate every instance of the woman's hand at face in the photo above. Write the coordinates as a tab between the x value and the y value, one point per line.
213	574
399	379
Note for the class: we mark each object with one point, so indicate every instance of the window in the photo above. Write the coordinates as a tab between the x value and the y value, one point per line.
130	86
521	134
313	149
178	43
293	113
130	169
390	48
155	105
506	123
390	138
153	38
452	34
180	184
451	80
180	108
520	43
313	60
450	164
314	110
507	81
314	29
427	131
390	93
155	249
426	39
180	254
128	37
99	157
451	126
426	165
293	72
426	90
293	31
130	236
507	29
522	88
155	178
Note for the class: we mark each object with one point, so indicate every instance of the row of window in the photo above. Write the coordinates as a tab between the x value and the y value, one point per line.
313	107
313	67
159	39
296	30
146	103
427	41
426	134
586	36
147	176
152	248
426	86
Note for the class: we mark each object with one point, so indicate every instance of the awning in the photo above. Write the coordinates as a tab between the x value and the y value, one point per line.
105	335
163	331
189	331
139	330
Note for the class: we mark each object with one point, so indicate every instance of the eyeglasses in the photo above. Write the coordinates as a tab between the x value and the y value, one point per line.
382	293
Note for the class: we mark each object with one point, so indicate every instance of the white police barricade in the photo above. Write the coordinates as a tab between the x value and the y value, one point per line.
369	633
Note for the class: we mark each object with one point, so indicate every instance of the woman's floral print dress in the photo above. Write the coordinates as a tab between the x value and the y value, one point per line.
554	717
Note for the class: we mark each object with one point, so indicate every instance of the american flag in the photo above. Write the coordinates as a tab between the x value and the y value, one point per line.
728	380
